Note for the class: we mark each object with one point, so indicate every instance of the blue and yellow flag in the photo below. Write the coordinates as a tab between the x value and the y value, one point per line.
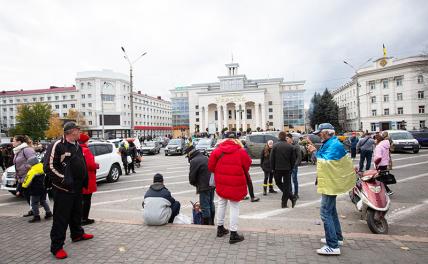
335	170
384	51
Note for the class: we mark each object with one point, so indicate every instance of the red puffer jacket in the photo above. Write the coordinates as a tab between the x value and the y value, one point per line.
92	167
229	175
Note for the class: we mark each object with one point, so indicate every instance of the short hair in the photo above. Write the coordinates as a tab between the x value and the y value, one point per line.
282	136
330	132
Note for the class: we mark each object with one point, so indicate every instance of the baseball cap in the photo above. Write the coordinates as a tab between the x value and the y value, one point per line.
322	127
70	126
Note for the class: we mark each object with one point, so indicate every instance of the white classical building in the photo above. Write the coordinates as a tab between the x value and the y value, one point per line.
97	94
392	94
238	103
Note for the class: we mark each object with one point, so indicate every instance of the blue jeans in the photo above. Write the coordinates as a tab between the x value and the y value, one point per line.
295	182
333	232
365	155
206	199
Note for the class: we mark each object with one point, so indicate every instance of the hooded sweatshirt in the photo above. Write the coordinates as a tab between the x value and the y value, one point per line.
382	152
229	163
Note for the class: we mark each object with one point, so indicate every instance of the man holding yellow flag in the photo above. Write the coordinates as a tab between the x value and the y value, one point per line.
335	175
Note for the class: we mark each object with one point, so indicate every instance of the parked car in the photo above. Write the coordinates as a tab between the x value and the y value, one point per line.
151	147
421	136
107	155
402	140
257	141
204	144
175	146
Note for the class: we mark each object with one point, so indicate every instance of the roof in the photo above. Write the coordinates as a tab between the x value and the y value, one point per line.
52	89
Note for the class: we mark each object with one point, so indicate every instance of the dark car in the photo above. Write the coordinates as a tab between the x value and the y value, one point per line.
421	137
175	146
256	143
150	147
204	145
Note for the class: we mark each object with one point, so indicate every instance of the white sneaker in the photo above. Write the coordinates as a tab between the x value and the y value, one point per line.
326	250
323	240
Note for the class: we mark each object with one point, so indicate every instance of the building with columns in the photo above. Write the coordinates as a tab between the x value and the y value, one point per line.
238	103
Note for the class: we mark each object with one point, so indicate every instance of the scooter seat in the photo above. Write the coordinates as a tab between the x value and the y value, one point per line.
369	175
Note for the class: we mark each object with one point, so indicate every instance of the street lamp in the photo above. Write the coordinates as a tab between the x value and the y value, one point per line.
106	84
240	111
131	97
358	91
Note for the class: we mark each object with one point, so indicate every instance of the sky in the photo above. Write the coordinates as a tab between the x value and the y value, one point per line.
46	42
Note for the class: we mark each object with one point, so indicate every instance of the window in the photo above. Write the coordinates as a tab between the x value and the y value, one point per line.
4	109
373	112
73	106
11	100
386	111
4	101
108	98
400	110
257	139
34	99
422	123
64	114
385	84
25	100
215	115
196	107
270	116
372	85
386	98
49	98
270	110
197	113
89	95
373	126
64	106
11	109
400	97
249	114
72	96
56	106
197	119
64	97
373	99
83	96
18	100
90	123
83	105
420	79
90	113
89	104
57	97
230	114
399	82
270	103
422	109
420	94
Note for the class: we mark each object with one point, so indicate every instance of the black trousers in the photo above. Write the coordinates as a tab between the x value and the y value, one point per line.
131	166
86	205
67	211
268	176
283	181
250	185
175	210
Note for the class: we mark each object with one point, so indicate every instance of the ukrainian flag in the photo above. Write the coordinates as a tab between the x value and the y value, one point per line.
335	171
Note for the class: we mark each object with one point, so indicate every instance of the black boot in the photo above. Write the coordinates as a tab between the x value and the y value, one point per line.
206	220
36	218
284	204
212	218
235	237
221	231
48	215
264	190
271	190
30	213
293	201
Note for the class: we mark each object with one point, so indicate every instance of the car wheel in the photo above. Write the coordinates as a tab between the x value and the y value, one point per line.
166	154
114	174
416	151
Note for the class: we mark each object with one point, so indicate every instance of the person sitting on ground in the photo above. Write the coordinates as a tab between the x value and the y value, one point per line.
159	206
34	183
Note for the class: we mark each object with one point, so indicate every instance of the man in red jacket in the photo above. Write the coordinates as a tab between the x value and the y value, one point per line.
229	162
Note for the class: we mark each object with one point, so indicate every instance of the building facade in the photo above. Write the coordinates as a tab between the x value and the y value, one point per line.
98	96
237	103
392	94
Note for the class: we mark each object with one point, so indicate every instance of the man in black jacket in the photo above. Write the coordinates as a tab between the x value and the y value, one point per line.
282	161
199	176
65	165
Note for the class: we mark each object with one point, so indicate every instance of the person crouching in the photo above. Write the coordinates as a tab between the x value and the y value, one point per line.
159	206
34	183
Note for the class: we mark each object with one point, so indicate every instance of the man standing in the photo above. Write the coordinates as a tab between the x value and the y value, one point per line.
199	176
65	165
366	146
282	161
352	143
335	175
298	154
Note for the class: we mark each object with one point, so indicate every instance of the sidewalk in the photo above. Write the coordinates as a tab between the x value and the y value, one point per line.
114	242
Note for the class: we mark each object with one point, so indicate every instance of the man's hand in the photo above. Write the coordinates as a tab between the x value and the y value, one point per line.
311	148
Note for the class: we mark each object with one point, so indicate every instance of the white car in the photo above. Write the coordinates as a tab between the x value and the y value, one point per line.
106	155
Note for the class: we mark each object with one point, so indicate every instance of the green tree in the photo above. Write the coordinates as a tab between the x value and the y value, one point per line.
324	110
314	110
33	120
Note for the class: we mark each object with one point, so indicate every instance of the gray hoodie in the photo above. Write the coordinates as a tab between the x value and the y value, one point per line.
367	143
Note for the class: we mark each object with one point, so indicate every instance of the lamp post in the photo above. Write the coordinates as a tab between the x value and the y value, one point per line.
240	111
358	92
106	84
131	96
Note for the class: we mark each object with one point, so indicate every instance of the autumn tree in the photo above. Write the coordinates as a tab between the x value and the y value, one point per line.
74	114
55	127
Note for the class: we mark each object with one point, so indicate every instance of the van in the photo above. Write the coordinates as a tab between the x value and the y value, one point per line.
402	140
421	137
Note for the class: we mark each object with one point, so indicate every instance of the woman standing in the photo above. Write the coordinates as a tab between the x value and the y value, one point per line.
265	164
92	167
133	153
22	153
382	157
124	153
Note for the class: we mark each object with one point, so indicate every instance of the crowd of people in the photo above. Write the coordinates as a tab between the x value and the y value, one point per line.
69	169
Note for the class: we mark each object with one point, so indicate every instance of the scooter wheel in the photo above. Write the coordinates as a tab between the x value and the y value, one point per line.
376	223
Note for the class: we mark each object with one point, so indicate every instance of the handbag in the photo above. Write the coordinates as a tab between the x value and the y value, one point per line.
129	159
386	177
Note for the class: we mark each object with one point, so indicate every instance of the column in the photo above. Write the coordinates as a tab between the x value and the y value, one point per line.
219	120
206	119
237	108
263	126
244	119
225	117
257	113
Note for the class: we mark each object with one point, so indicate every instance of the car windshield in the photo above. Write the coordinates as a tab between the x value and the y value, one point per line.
150	144
175	142
204	142
401	135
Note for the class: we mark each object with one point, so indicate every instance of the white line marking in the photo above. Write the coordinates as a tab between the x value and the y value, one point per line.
399	215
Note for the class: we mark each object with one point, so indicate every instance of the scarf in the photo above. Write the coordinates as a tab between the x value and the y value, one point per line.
20	147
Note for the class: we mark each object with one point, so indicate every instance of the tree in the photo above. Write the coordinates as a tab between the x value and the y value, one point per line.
32	120
324	110
55	127
75	115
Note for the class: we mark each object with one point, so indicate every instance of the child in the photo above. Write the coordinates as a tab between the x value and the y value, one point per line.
34	182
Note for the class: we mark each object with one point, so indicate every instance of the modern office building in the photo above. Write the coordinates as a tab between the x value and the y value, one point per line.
237	103
392	94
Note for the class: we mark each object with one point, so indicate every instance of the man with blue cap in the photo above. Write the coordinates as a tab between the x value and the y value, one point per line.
335	175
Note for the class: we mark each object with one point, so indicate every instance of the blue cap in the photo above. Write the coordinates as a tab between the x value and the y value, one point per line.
322	127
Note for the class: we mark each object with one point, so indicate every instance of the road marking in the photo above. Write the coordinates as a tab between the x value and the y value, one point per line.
136	198
11	203
400	214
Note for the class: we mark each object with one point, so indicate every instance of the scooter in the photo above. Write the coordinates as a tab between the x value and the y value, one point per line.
370	198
